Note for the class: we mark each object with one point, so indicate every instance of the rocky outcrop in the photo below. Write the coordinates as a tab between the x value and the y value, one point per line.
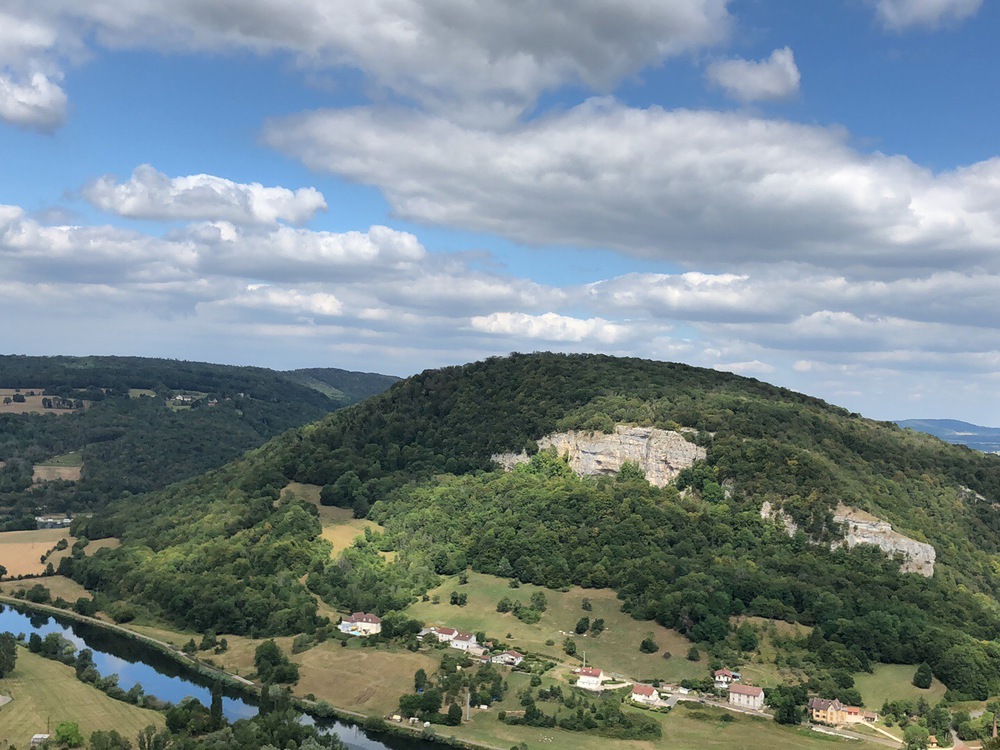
661	454
860	527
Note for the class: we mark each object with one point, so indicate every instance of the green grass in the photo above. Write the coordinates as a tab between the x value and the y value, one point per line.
140	393
893	682
47	692
616	650
72	459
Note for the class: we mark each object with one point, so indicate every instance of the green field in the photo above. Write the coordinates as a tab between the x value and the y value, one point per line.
74	458
616	650
894	682
47	692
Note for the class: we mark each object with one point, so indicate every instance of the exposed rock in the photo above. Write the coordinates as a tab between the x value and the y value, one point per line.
661	454
864	528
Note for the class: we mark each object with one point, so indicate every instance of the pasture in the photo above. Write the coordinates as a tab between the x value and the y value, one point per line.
46	692
616	650
32	403
891	682
67	467
340	527
21	551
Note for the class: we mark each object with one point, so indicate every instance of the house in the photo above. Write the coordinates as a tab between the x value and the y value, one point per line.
464	641
746	696
590	678
361	624
723	678
445	635
645	694
834	712
52	522
38	739
510	658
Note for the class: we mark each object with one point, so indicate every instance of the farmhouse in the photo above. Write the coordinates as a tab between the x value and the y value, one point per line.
361	624
645	694
590	678
723	678
445	635
834	712
52	522
746	696
510	658
465	642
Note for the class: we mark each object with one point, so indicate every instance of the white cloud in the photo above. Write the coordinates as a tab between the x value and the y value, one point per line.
777	77
694	187
753	367
481	59
35	102
150	194
550	327
902	14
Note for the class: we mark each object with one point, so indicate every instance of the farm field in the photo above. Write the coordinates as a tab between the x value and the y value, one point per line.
45	690
31	404
891	682
67	467
616	650
340	527
58	586
20	551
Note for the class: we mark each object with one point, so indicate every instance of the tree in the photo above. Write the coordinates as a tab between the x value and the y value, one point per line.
8	654
582	625
454	715
68	734
915	737
538	601
648	645
419	680
923	677
597	626
693	654
569	646
586	606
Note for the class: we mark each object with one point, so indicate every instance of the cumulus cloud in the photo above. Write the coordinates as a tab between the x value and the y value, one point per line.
550	327
479	59
34	102
693	187
903	14
777	77
150	194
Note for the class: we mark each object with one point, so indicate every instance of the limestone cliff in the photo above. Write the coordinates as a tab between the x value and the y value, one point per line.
661	454
860	527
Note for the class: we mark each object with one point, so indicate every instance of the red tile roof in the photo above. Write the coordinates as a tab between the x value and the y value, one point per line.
647	690
746	690
590	672
362	617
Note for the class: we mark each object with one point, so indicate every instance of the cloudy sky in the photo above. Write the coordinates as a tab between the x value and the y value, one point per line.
806	193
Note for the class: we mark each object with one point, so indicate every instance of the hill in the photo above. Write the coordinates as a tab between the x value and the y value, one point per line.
690	555
342	386
131	425
986	439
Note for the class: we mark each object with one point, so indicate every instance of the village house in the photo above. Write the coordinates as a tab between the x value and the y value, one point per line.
361	624
509	658
464	641
38	739
445	635
52	522
645	694
590	678
834	712
746	696
723	678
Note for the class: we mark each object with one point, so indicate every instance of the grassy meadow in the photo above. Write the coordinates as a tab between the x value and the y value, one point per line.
891	682
616	650
47	692
21	551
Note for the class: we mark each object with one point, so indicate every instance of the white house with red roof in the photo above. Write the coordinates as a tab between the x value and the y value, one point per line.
590	678
723	678
361	624
746	696
445	635
646	694
510	658
464	641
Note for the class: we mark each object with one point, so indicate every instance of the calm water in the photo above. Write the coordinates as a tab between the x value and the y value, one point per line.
163	677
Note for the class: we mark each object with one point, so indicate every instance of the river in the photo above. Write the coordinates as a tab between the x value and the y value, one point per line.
159	675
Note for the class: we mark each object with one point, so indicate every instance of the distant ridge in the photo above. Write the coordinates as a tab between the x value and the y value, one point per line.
986	439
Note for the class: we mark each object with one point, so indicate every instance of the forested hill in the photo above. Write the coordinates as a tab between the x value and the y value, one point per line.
342	386
138	424
417	460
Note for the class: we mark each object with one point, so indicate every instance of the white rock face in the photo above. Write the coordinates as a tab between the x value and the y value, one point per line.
864	528
661	454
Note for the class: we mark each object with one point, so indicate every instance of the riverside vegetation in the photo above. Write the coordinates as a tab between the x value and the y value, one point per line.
226	551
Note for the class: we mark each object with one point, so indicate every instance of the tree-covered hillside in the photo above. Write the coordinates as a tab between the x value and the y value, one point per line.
417	458
139	424
342	386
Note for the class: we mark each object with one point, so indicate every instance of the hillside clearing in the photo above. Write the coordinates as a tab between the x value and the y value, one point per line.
340	527
31	404
891	682
21	551
46	692
616	650
58	586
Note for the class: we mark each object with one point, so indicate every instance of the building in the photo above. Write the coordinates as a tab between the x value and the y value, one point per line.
723	678
52	522
445	635
590	678
510	658
361	624
38	739
834	712
464	641
645	694
746	696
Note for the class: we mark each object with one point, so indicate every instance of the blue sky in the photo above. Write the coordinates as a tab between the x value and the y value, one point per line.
806	193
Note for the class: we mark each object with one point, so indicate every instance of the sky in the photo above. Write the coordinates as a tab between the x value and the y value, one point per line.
803	193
